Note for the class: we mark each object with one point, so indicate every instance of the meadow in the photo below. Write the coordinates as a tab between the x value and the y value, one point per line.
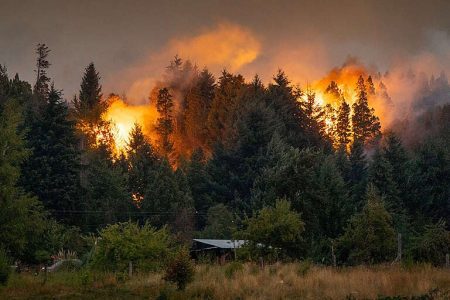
242	281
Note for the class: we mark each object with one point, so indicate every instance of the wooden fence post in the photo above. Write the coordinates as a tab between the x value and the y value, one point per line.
447	260
130	268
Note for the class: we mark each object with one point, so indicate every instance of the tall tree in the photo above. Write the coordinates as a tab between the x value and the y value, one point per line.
366	126
51	172
358	173
21	216
369	237
41	87
89	104
198	104
142	162
165	124
343	128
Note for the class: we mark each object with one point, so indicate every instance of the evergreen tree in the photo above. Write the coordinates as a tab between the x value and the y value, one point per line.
358	173
198	104
41	87
343	128
366	126
200	185
224	106
381	176
369	237
141	163
89	105
165	124
106	200
21	216
370	86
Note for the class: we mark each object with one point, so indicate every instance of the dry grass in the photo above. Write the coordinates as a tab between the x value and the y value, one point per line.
281	281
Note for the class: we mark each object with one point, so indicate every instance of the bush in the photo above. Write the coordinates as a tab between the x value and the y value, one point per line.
121	243
5	268
304	267
432	245
180	270
233	268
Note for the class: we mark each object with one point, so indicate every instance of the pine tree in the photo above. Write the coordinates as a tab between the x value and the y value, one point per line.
89	104
142	162
51	172
370	86
315	114
41	87
381	176
21	216
223	110
165	124
366	126
343	128
198	104
199	181
358	173
369	238
333	89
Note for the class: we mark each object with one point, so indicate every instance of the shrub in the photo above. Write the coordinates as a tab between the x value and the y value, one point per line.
304	267
4	267
432	245
233	268
180	270
121	243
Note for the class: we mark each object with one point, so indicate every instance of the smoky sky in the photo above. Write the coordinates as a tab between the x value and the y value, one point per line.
120	35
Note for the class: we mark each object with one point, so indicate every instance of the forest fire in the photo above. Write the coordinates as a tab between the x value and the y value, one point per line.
124	117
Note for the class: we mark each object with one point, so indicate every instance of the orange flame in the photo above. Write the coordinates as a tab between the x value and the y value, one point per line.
124	117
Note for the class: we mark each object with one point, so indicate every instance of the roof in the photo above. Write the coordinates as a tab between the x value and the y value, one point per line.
223	244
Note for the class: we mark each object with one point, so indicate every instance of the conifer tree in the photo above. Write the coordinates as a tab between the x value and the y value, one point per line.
370	86
343	128
198	104
89	104
165	124
51	172
358	173
366	126
41	86
369	238
142	162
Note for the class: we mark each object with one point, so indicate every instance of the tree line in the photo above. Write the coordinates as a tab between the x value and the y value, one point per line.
232	159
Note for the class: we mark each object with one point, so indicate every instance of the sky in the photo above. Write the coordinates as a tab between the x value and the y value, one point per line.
132	41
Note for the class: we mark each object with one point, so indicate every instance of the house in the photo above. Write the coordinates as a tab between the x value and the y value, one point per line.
222	250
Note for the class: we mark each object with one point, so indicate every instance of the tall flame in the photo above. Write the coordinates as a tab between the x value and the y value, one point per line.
124	117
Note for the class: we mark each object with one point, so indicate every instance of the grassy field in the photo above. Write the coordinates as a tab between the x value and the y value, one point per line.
283	281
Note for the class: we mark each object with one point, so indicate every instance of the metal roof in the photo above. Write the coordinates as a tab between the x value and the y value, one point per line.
223	244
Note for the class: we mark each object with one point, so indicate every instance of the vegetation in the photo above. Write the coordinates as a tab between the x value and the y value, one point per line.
280	281
225	158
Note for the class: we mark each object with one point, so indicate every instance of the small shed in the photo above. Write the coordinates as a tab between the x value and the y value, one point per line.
222	250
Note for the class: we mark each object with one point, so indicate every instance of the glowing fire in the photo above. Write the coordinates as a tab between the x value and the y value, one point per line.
124	117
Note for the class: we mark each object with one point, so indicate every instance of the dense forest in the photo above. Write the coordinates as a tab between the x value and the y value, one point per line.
226	158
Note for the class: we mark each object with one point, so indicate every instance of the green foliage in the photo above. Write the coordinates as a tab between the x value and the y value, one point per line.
52	171
304	267
274	232
432	244
5	268
180	270
118	244
89	104
220	223
369	237
233	268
